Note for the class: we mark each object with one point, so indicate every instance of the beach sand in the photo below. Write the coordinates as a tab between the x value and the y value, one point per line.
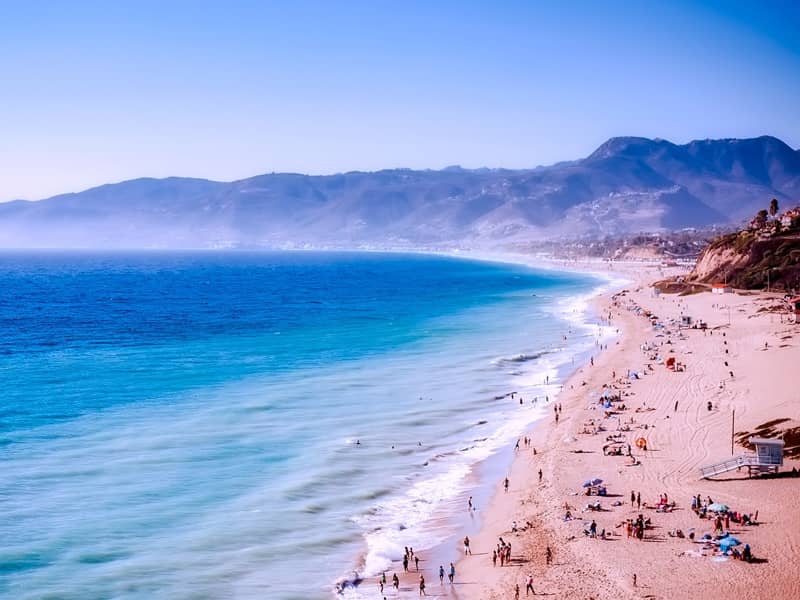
765	386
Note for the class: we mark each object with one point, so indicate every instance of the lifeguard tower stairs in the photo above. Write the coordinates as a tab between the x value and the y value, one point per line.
767	458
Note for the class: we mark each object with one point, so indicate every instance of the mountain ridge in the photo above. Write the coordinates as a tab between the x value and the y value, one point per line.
628	184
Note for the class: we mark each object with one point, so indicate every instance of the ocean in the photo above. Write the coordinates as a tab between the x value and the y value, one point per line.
259	425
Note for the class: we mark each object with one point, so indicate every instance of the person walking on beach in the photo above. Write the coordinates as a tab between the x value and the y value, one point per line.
639	500
633	494
466	546
494	558
452	575
395	581
529	586
548	554
405	563
416	563
469	503
422	585
441	574
540	476
505	484
516	592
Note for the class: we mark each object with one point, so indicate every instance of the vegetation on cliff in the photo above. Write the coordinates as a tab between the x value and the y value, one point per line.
766	255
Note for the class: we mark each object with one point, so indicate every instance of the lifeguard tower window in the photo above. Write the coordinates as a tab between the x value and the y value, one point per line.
768	451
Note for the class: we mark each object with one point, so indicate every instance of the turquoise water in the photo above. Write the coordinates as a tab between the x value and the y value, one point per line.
184	425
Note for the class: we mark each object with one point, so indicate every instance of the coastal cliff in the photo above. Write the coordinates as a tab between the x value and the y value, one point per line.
765	255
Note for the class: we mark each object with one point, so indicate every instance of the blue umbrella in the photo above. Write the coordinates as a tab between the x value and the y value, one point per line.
728	542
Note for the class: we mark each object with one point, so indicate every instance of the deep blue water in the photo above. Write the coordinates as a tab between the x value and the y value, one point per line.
181	425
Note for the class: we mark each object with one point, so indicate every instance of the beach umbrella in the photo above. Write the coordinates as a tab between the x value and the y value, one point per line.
727	543
592	482
718	507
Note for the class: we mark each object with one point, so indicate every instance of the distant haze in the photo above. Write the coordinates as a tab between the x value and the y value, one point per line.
627	185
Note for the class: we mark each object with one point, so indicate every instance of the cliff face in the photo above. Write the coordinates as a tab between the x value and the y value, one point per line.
748	260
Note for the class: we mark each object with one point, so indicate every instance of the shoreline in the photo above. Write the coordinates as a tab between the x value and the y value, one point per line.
580	568
589	318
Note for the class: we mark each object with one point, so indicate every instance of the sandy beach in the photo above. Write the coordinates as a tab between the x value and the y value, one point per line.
745	361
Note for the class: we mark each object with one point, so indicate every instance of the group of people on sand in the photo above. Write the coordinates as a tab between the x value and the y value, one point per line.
526	442
409	556
409	552
635	528
528	588
502	553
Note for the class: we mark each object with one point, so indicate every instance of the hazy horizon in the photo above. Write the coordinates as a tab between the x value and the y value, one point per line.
100	93
351	171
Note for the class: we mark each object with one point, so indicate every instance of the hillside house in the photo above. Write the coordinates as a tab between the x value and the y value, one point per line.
789	216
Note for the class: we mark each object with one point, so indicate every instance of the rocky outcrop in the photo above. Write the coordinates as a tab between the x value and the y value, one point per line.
749	260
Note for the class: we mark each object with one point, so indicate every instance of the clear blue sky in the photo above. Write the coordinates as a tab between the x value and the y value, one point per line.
93	92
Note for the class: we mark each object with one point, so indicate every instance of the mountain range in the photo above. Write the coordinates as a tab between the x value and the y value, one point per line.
627	185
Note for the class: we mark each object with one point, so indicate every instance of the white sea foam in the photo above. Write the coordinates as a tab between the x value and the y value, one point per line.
410	519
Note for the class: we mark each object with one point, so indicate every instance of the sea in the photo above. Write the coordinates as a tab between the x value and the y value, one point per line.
190	425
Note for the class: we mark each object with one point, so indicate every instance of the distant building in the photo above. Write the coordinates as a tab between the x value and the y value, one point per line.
721	288
789	216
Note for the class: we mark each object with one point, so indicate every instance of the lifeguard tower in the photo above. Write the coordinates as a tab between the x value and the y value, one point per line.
768	458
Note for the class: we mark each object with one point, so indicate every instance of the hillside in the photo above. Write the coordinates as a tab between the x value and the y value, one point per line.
754	258
627	185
